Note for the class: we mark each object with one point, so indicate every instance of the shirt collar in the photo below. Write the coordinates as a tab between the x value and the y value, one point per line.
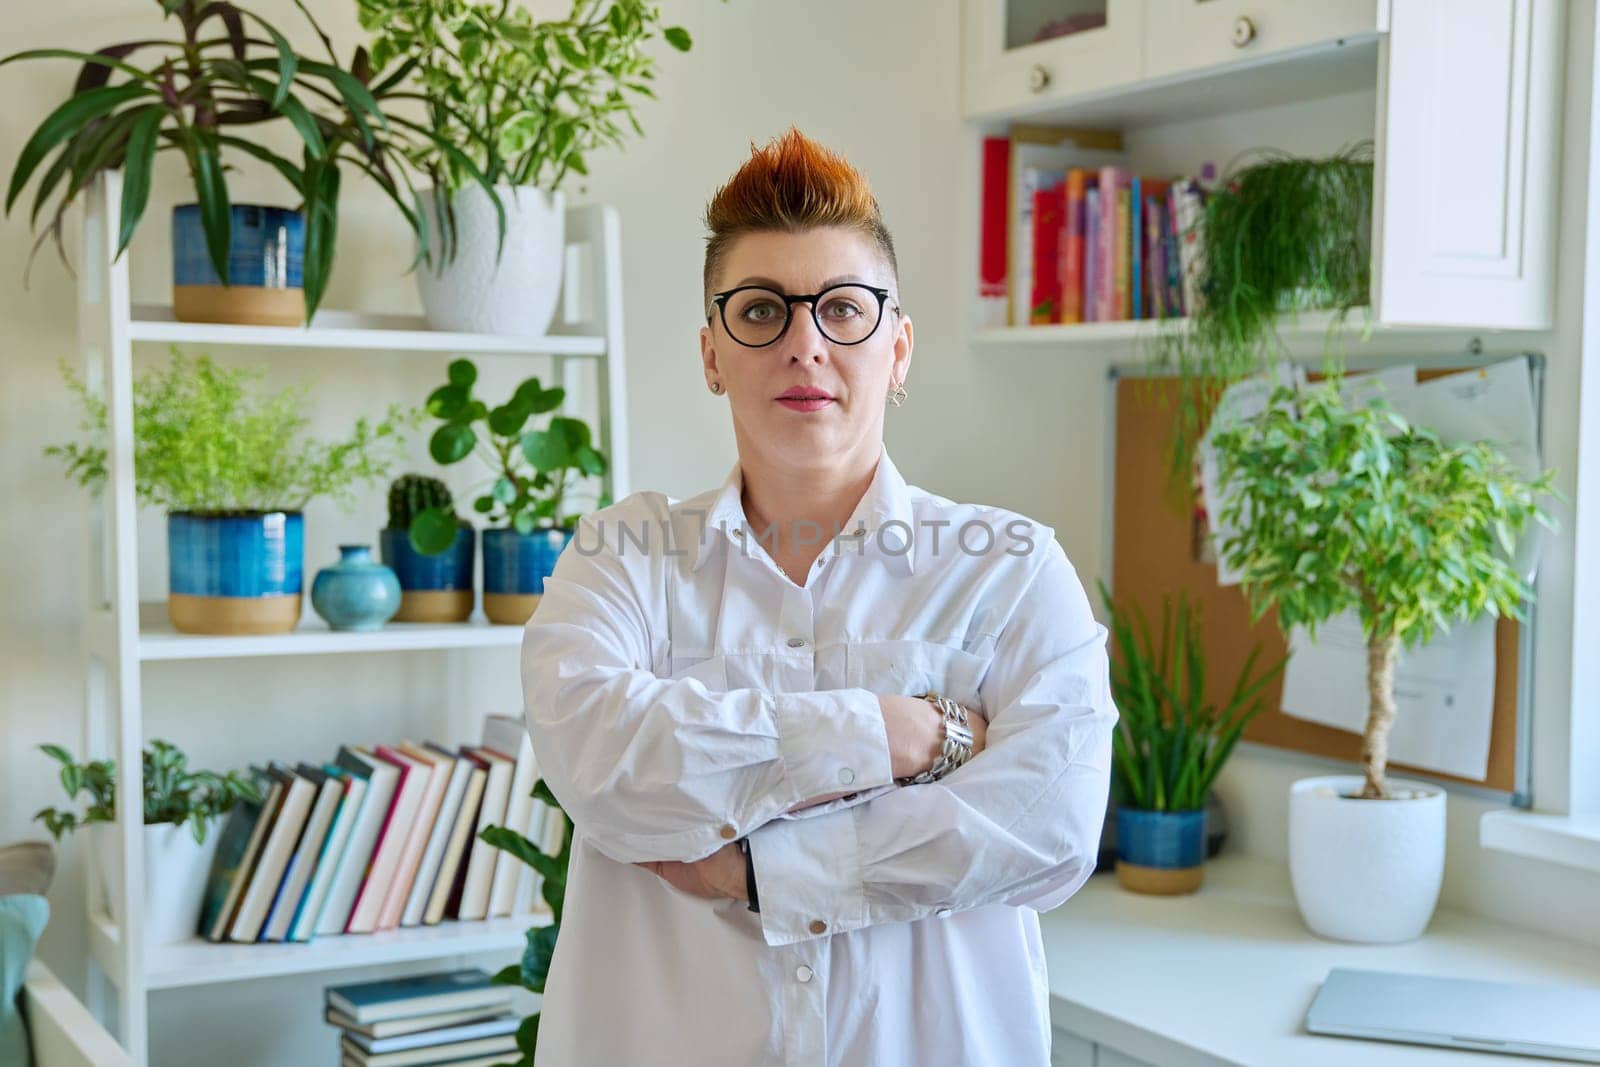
881	522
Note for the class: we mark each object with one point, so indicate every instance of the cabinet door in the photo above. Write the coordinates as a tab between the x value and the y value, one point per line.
1023	56
1182	36
1070	1050
1107	1056
1468	149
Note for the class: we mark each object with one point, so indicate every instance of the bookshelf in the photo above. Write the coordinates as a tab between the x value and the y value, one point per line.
120	635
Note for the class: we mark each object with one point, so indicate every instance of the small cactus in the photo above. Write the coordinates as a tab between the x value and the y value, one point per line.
412	494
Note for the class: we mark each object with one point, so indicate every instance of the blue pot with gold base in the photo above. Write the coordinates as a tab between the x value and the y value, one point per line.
234	572
1161	852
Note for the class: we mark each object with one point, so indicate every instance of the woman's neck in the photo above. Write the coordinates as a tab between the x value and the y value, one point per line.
796	512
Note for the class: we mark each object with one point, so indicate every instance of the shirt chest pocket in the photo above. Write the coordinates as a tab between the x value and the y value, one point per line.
912	668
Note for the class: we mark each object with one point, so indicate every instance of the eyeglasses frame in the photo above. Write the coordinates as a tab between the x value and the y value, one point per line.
721	300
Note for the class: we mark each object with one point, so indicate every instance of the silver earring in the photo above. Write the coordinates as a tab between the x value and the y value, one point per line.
897	395
716	387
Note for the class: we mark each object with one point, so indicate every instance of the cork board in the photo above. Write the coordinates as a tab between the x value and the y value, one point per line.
1154	555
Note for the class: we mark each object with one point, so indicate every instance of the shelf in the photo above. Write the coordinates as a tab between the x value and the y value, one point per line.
347	329
159	641
198	962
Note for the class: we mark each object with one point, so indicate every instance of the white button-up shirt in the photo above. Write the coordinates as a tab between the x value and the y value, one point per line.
683	692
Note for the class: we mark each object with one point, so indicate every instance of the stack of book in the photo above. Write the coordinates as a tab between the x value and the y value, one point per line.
1071	233
380	838
453	1017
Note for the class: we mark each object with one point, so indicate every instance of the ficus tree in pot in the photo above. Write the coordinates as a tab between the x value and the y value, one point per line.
1338	509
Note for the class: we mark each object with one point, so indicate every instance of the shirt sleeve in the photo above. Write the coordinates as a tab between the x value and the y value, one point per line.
1018	824
667	769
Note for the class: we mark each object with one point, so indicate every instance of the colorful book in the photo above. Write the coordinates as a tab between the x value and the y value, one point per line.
1078	183
1040	157
419	994
453	866
483	858
459	772
1190	210
1122	263
325	803
993	227
453	1055
502	733
1049	214
242	833
1091	252
410	787
381	778
445	1035
410	1024
438	773
1136	247
1111	282
276	850
304	925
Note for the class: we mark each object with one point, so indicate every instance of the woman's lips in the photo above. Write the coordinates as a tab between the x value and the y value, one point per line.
805	403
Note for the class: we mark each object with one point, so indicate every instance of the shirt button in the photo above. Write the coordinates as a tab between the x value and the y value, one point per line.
803	973
846	775
818	926
797	642
739	534
728	832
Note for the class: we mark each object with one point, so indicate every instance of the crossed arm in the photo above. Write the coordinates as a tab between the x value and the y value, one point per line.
666	773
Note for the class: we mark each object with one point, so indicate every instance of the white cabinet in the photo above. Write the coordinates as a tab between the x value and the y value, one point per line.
1182	36
1070	1050
1468	152
1090	46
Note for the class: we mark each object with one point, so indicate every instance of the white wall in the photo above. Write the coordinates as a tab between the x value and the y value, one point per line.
1024	429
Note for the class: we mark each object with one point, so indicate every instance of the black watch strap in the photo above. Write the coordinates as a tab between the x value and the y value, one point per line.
749	874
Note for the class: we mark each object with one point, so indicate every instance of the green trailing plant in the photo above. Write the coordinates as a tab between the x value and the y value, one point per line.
1340	509
205	440
1279	235
199	93
524	101
533	469
534	968
1171	743
419	503
172	792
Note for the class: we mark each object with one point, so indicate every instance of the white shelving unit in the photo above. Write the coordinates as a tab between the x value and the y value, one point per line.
120	634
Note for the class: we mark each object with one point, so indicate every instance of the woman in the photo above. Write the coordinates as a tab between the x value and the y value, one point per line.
748	693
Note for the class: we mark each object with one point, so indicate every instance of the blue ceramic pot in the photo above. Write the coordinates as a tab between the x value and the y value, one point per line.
1160	851
433	588
357	593
514	569
235	572
266	255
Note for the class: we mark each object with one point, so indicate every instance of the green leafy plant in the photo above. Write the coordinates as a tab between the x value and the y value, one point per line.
172	792
204	441
1280	234
226	71
518	100
533	469
1339	509
532	972
424	508
1170	743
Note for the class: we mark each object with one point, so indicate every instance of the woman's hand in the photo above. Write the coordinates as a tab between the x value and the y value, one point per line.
720	876
916	733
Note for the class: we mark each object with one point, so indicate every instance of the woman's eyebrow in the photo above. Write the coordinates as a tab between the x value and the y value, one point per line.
756	279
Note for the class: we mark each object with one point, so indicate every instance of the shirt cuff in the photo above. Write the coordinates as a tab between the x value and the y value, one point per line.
809	871
831	741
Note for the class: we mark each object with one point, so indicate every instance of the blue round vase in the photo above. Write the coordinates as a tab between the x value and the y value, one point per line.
432	588
357	593
235	572
514	569
1161	852
266	257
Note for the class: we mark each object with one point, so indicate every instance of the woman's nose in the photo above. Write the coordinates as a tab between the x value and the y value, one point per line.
805	341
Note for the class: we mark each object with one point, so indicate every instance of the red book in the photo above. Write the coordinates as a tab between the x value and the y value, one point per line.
1072	246
1049	213
993	224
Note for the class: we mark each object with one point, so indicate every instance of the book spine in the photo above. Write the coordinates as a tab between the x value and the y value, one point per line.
1049	205
1155	273
1072	258
1091	253
1190	207
1136	247
1109	299
992	268
1122	298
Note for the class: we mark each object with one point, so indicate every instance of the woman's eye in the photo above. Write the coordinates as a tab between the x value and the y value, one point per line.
760	311
841	309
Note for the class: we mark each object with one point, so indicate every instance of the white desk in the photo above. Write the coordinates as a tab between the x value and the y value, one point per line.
1225	976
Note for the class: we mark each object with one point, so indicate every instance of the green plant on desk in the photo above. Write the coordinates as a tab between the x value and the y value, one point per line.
172	792
1170	742
531	973
1341	509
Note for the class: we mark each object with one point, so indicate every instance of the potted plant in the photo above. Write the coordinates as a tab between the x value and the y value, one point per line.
526	500
1170	744
431	549
182	812
233	472
534	969
522	102
1336	510
201	93
1280	234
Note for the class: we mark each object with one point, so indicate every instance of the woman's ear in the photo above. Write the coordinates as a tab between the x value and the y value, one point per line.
902	348
708	357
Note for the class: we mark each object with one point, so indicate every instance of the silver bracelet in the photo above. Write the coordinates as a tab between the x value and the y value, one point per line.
958	741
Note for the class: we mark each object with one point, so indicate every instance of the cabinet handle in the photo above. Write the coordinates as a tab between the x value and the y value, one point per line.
1038	78
1244	31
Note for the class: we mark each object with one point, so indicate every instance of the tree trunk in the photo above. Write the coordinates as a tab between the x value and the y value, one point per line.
1382	653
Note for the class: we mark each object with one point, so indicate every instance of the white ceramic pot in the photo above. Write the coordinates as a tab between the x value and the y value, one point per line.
1366	870
175	872
475	293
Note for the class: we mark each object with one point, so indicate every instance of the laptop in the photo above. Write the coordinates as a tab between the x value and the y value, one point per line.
1559	1022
